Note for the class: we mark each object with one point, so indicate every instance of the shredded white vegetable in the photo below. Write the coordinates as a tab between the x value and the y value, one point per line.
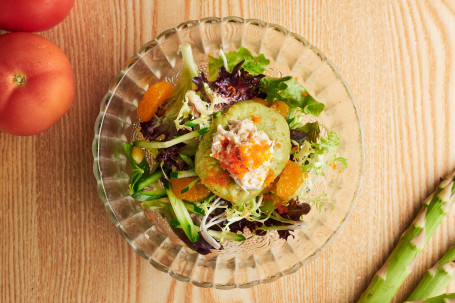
223	56
203	227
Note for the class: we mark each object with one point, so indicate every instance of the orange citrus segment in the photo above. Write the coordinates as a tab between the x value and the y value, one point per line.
289	180
196	193
155	95
281	108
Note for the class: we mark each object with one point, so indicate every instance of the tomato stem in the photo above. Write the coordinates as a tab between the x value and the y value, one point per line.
19	79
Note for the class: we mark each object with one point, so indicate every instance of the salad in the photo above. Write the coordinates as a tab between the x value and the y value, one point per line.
228	150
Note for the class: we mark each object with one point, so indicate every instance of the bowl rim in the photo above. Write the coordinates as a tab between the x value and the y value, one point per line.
99	122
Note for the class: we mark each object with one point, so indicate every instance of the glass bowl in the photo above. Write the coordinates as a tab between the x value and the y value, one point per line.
258	259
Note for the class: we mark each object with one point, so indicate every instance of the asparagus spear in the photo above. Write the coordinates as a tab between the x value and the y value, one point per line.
399	264
436	279
445	298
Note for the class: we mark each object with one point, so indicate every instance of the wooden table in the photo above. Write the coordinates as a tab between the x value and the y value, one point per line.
57	244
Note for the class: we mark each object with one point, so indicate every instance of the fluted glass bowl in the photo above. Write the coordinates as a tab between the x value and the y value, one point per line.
258	259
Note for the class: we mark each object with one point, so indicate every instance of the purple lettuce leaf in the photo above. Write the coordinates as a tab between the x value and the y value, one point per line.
157	127
298	135
171	157
234	86
296	210
201	246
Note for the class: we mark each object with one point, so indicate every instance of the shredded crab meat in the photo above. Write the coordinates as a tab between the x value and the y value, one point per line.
245	152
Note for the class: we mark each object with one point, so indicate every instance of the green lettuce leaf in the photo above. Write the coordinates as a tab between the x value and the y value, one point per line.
318	156
288	90
138	171
171	108
254	65
295	121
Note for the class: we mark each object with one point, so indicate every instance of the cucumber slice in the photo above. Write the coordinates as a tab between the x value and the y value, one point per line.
192	183
182	215
149	180
183	174
166	144
149	195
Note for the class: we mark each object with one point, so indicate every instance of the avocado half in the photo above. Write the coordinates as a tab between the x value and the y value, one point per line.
219	180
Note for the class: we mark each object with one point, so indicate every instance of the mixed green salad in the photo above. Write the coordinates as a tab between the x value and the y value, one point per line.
230	150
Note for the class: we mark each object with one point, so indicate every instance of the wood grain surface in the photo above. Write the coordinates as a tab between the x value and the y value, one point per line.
56	242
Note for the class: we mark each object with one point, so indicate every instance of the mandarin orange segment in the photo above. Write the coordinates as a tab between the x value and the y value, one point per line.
281	108
155	95
196	193
261	101
289	180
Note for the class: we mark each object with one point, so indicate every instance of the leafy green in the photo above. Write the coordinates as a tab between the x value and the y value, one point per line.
171	107
320	201
193	106
138	171
267	207
288	90
316	157
340	160
254	65
312	129
328	144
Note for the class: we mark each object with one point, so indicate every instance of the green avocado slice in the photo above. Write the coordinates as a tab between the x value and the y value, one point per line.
219	180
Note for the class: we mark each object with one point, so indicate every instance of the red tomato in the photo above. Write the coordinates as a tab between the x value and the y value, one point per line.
36	83
33	15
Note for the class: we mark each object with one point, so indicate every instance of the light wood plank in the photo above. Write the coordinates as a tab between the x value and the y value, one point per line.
58	245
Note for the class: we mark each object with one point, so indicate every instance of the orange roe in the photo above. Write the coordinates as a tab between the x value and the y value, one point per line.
244	158
222	179
256	119
270	177
232	161
254	155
